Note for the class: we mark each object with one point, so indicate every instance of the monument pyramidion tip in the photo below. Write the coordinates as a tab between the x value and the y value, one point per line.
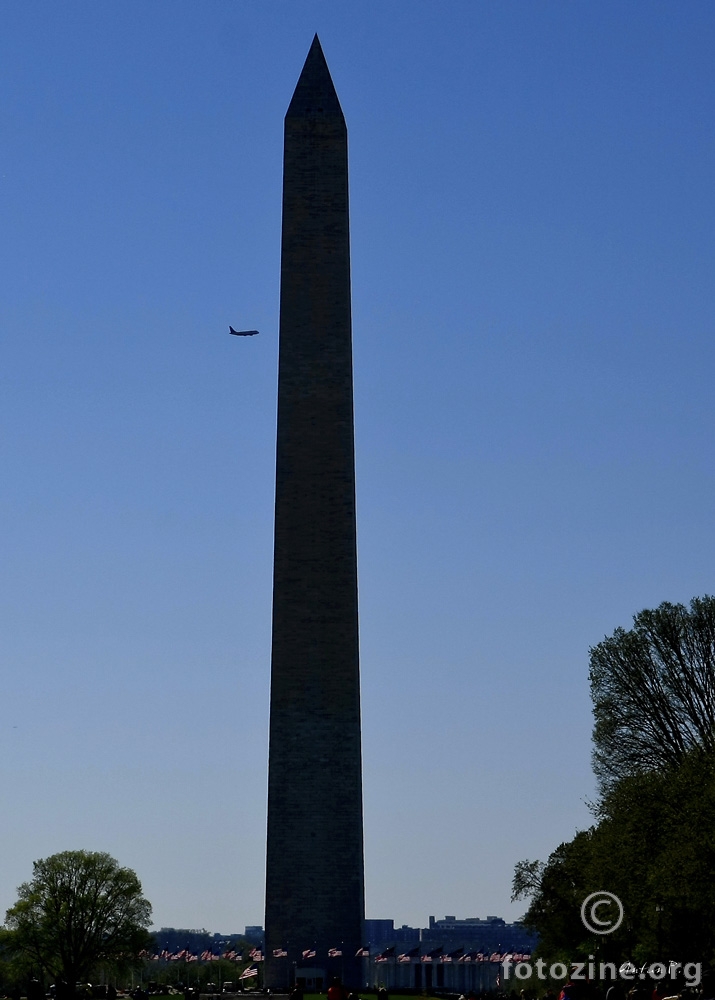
315	93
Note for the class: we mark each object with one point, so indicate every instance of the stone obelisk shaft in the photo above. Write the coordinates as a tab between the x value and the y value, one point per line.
314	878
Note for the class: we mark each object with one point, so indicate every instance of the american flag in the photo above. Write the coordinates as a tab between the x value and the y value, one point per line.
309	953
249	973
334	953
362	953
280	953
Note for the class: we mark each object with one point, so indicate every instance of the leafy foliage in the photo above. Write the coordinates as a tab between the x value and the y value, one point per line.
653	691
654	847
653	842
79	909
527	879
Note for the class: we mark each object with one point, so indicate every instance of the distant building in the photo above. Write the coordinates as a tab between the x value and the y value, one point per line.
490	933
406	935
254	935
432	971
451	923
451	954
384	932
378	932
176	939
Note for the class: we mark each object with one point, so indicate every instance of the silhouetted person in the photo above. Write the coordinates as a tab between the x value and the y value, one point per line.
337	991
35	990
707	990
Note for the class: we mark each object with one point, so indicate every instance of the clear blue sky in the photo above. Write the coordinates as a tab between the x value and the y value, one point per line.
533	235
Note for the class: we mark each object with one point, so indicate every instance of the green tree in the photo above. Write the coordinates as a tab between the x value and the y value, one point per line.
13	970
79	910
653	691
653	840
653	845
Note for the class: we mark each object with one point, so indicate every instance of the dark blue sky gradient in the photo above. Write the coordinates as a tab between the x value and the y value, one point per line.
532	217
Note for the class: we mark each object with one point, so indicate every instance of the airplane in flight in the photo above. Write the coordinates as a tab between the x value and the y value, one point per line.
242	333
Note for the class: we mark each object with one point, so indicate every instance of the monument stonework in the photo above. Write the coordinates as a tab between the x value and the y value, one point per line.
314	864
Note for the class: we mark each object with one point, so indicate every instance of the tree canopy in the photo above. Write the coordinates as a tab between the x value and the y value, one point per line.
653	842
654	847
653	691
79	909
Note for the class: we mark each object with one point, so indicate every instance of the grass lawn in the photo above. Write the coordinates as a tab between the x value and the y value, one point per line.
371	993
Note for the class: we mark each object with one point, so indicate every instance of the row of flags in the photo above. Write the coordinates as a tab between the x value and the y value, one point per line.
256	955
459	955
185	955
436	955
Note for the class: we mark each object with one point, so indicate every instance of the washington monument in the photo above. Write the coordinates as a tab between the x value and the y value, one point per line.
314	876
